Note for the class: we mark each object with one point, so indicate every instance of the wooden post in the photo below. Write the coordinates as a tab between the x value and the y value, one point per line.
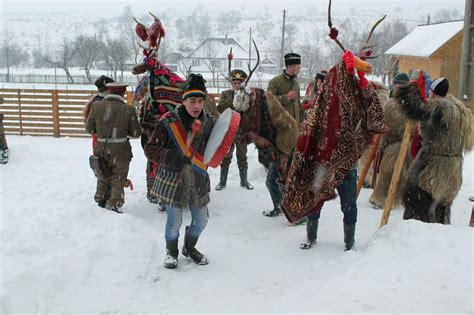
370	157
19	113
397	171
55	104
472	216
129	97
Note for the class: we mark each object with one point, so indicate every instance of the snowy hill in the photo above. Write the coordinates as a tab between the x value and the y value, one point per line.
59	252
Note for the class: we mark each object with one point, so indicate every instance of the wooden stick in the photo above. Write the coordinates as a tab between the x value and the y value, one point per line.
370	158
472	217
397	170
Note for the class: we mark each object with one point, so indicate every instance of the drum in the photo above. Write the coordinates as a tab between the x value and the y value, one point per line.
221	138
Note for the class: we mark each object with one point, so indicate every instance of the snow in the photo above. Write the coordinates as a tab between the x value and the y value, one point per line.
424	40
59	252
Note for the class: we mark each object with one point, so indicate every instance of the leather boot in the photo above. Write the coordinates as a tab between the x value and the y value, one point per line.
273	213
311	233
243	179
171	260
223	178
189	249
349	233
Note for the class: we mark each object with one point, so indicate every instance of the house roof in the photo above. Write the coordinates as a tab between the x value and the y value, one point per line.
424	40
220	47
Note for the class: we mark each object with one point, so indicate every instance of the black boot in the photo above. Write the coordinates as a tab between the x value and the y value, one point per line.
311	233
243	179
223	179
171	260
273	213
189	249
349	233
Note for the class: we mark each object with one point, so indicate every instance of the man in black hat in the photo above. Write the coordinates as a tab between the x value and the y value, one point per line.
182	180
226	100
286	89
100	83
113	122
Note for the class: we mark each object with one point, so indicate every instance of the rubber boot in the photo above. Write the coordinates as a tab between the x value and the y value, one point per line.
189	249
311	233
349	233
171	260
223	178
243	179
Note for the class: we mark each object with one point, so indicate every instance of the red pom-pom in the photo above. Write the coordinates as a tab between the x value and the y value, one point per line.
367	53
349	61
197	124
333	32
363	82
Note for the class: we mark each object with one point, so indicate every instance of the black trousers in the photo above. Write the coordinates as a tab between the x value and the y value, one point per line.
420	205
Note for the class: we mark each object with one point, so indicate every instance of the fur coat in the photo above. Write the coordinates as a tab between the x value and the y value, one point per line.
446	130
389	147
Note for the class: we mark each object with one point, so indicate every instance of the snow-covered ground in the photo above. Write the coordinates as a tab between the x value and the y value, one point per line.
59	252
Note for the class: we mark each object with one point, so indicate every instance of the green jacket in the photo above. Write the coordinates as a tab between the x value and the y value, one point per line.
125	124
280	86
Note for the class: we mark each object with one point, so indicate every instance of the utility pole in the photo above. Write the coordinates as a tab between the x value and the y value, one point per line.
7	50
466	80
250	46
282	51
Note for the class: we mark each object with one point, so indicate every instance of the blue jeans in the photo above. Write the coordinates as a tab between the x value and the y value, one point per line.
273	187
174	219
348	194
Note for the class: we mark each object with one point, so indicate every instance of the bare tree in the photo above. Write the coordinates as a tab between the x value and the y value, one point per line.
87	52
228	22
212	61
63	58
385	37
10	53
116	54
184	64
311	56
445	15
126	27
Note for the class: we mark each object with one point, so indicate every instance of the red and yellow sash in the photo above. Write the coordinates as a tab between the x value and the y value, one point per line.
177	133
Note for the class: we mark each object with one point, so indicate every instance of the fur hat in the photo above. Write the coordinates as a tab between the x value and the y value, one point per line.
238	75
102	81
292	59
320	76
116	88
440	86
401	78
195	85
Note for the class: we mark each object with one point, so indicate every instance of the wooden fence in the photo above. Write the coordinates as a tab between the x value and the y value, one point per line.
56	113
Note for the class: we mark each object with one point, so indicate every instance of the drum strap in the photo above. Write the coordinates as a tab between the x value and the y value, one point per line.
177	133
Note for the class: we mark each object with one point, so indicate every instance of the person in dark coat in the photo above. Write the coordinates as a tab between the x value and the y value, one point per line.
113	121
4	152
182	180
227	101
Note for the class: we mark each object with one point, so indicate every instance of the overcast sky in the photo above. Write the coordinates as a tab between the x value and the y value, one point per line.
115	6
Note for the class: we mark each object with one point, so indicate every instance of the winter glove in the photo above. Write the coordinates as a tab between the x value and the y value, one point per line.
176	159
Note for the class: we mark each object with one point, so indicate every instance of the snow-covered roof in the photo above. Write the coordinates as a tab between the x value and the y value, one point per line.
424	40
219	48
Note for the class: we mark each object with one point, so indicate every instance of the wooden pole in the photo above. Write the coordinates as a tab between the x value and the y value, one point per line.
471	223
55	107
370	157
397	171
